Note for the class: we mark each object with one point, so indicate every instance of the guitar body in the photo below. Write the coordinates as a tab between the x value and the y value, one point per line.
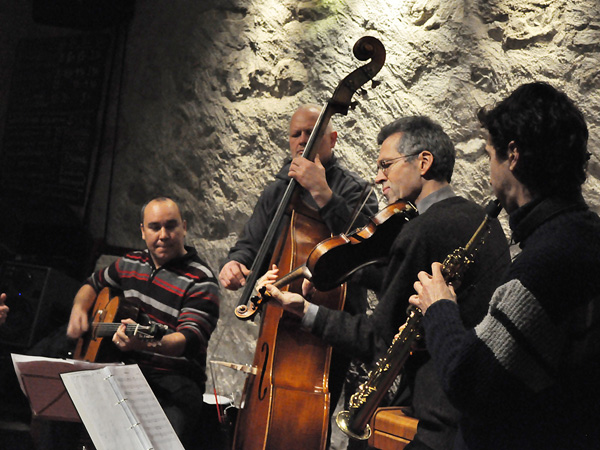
109	308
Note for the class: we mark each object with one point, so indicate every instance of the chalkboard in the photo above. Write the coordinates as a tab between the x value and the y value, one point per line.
53	116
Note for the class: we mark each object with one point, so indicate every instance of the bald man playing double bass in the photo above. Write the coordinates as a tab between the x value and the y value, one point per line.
326	186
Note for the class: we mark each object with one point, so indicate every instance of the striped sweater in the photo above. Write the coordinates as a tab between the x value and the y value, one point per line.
182	294
528	376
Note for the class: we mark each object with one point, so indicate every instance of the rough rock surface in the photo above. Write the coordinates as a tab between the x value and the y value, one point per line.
209	88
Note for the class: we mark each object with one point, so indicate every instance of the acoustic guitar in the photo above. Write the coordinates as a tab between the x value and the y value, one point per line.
109	309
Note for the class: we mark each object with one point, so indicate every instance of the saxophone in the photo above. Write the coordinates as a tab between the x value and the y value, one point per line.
355	421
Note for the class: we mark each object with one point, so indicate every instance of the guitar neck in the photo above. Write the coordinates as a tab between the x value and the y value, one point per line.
101	329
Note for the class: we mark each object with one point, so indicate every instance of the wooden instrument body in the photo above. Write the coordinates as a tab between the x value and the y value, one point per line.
105	318
286	404
392	429
107	308
334	260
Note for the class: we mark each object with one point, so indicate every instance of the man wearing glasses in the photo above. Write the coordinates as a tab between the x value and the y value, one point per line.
415	163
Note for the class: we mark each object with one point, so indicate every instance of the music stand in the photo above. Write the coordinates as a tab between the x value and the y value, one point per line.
40	381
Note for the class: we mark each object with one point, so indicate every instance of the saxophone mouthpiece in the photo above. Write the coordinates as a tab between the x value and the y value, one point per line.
493	208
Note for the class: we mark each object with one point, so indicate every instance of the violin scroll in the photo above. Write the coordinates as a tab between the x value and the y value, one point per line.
248	311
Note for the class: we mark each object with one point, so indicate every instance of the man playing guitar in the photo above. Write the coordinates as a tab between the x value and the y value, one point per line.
171	285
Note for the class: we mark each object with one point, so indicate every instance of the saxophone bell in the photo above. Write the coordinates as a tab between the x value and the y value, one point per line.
364	402
344	423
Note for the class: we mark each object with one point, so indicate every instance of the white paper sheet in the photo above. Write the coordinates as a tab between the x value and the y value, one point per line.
119	409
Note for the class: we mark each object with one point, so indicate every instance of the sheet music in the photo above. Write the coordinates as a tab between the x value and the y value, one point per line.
105	420
120	410
148	411
124	402
22	361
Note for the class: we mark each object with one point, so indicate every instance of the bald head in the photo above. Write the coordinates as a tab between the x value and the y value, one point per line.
159	200
301	126
163	229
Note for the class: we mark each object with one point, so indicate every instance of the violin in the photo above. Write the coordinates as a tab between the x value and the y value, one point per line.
335	259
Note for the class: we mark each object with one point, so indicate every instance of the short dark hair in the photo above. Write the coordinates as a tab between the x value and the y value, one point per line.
550	133
421	133
158	199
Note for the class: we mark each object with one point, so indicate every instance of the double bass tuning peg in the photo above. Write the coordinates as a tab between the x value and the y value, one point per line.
363	92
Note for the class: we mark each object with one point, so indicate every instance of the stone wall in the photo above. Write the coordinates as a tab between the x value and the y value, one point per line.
209	87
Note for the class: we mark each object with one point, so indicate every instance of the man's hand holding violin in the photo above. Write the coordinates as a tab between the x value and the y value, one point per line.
290	301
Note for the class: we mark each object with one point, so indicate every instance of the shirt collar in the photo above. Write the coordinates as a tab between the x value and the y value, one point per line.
526	219
183	259
434	197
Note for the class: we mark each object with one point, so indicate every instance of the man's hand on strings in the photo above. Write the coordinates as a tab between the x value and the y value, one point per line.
311	176
431	288
308	289
233	275
293	303
78	323
128	343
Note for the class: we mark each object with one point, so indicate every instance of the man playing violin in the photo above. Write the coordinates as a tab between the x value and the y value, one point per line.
172	286
415	163
528	375
327	187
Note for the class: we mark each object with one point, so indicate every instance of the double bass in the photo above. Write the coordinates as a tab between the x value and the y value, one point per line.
285	402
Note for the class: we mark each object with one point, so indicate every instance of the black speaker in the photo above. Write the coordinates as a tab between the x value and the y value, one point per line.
39	299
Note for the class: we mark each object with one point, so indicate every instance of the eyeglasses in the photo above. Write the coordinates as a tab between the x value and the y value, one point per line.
385	164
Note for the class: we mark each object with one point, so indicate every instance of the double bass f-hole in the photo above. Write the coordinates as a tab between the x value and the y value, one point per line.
262	391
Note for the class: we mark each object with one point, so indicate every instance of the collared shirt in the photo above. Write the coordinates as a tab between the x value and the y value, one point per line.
434	197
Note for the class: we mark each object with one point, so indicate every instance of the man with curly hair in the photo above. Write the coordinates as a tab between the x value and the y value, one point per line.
528	375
